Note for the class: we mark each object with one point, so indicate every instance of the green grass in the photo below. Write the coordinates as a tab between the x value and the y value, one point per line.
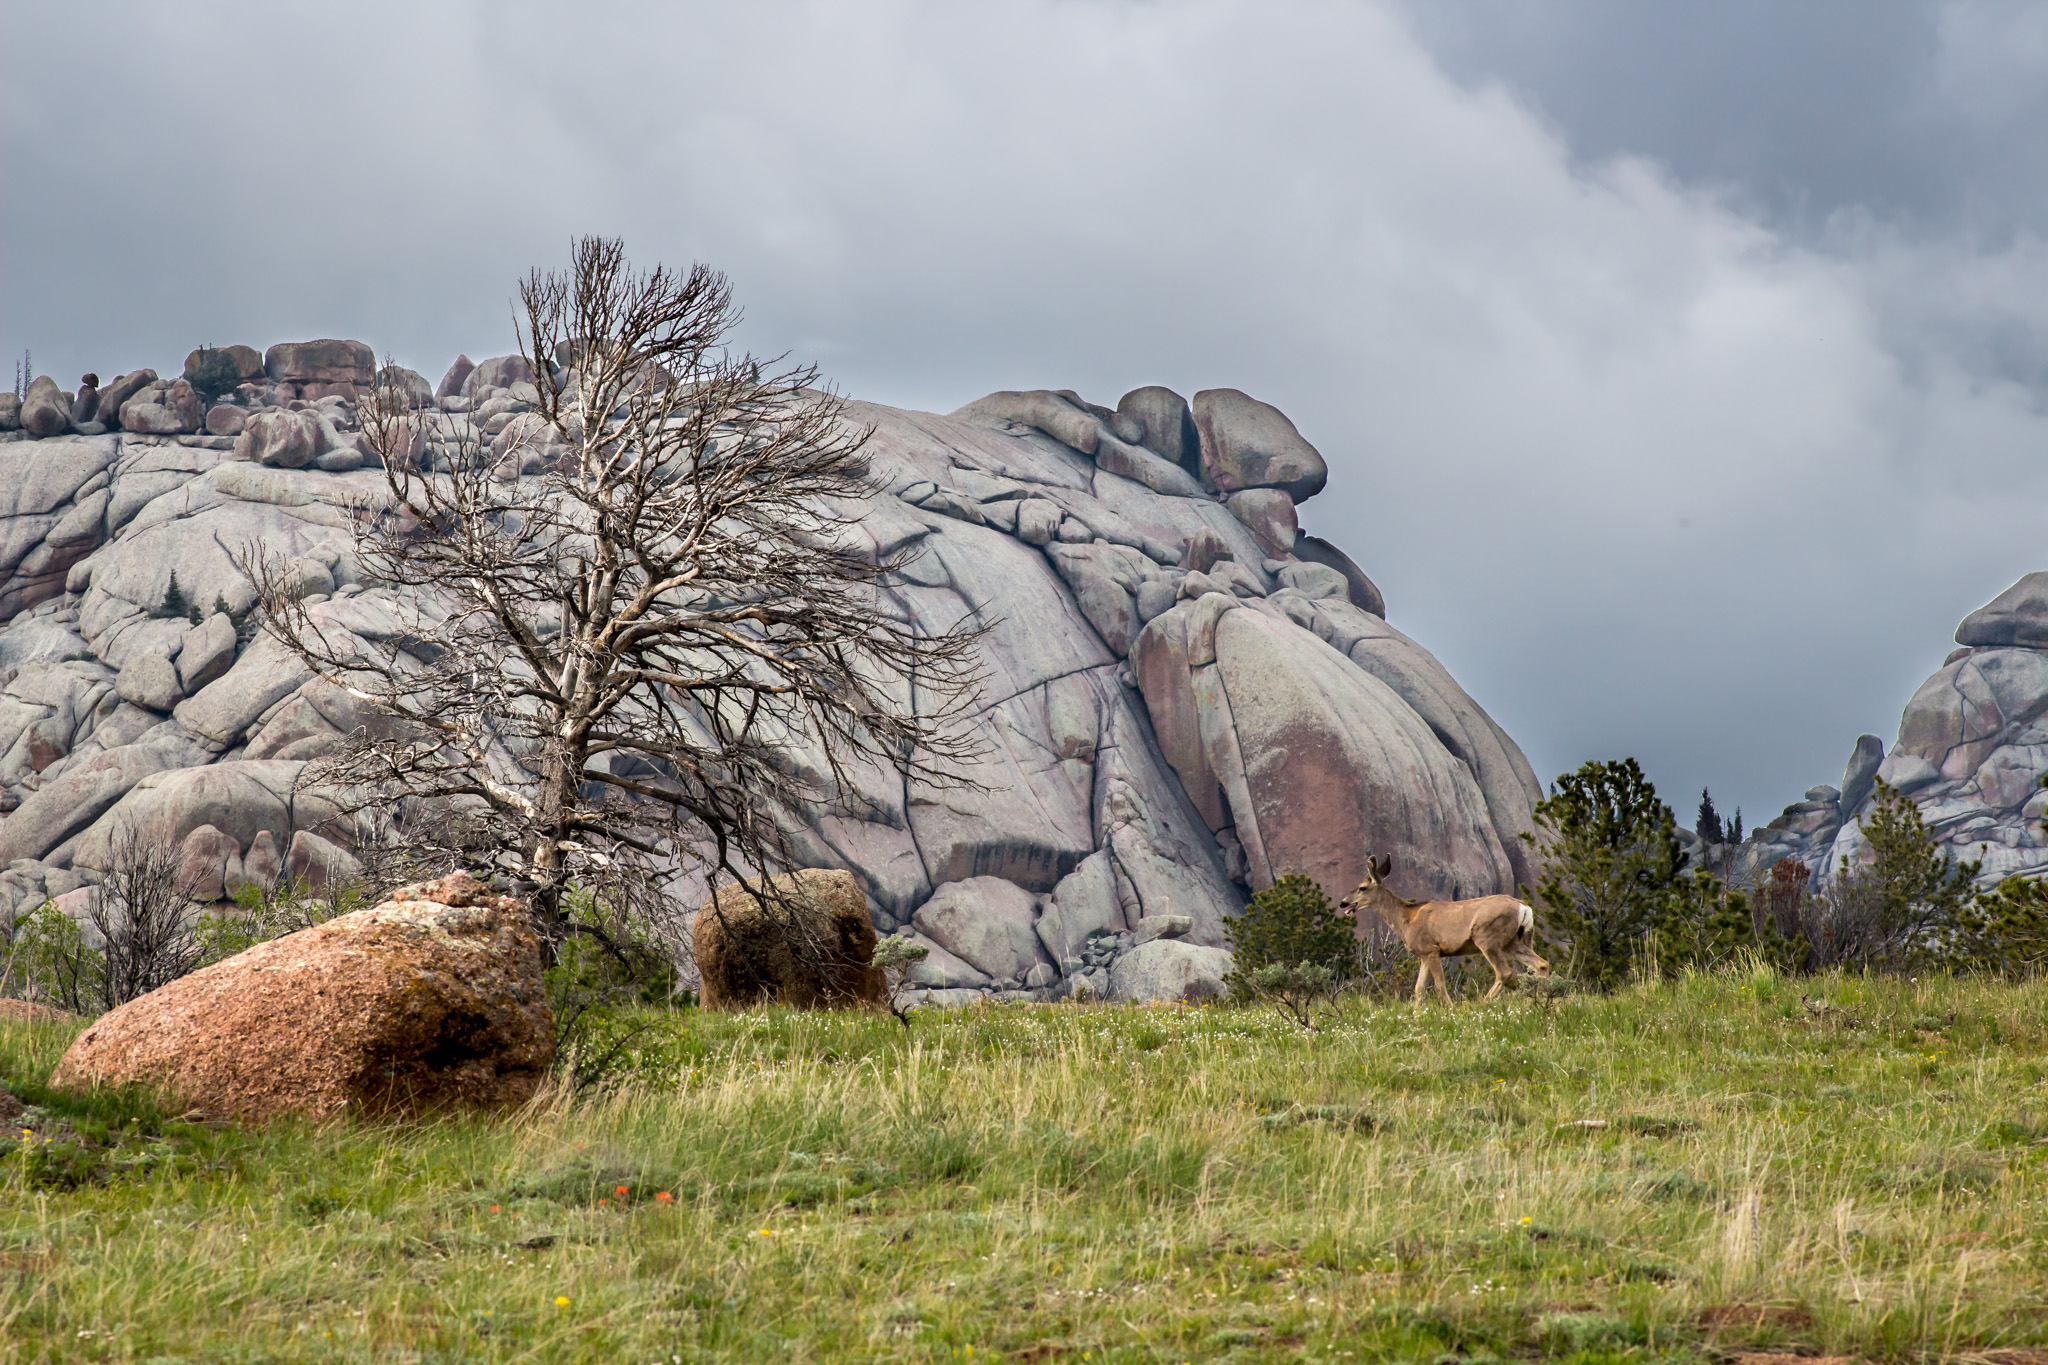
1838	1165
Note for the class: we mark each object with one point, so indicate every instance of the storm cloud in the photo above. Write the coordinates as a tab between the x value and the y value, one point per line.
1683	375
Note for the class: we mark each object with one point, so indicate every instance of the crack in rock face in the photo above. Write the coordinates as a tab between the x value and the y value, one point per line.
1186	696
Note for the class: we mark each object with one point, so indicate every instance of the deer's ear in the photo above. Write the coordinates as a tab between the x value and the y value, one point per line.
1383	864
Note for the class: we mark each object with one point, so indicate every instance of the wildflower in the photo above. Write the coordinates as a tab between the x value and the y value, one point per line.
766	1233
494	1208
602	1202
620	1191
1527	1220
561	1300
664	1198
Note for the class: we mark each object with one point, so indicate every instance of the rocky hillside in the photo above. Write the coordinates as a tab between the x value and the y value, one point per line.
1971	750
1186	697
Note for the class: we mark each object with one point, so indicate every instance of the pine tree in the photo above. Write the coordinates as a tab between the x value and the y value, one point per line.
1709	825
1735	827
1612	862
174	598
1906	905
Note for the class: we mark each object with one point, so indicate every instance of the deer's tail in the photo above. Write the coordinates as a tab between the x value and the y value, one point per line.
1528	919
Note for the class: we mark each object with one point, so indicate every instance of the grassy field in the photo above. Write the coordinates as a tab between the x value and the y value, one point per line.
1838	1166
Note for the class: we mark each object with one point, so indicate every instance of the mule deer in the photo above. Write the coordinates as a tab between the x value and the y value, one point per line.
1499	928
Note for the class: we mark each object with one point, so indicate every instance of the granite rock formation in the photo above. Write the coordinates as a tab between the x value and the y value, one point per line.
1186	696
1971	750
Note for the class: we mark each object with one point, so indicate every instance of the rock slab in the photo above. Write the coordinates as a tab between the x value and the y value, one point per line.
431	1000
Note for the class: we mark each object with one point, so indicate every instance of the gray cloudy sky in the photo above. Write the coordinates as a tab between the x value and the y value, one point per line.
1683	369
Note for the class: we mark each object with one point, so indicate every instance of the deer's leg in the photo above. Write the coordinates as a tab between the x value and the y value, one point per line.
1503	970
1436	972
1422	982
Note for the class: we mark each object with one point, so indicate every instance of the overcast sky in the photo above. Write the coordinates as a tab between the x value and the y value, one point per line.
1682	368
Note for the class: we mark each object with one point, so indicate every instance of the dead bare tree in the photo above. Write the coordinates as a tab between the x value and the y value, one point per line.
666	639
142	912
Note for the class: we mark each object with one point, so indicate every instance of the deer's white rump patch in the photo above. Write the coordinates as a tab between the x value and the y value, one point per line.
1528	918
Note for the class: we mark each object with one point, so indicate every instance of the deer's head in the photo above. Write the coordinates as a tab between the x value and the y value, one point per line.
1373	887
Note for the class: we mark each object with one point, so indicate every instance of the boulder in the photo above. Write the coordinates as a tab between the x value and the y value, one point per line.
2017	616
987	923
1041	410
1169	971
432	1000
86	406
113	396
183	400
225	419
45	408
10	411
1860	775
150	682
1269	514
410	385
209	862
1249	444
1365	595
333	365
458	374
145	418
261	865
1164	425
248	361
208	652
280	439
807	944
499	372
317	863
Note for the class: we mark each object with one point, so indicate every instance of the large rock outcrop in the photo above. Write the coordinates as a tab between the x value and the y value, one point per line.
432	1000
1971	750
1186	695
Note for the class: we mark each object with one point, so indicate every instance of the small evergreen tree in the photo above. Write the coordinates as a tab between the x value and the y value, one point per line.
174	599
1905	906
1611	866
1709	825
1291	946
2005	931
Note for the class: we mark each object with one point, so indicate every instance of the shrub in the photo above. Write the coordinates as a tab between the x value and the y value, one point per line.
2005	931
1291	946
212	373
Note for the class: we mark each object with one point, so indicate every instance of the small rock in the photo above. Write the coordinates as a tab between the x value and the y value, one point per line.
86	406
1038	521
1171	971
1151	927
